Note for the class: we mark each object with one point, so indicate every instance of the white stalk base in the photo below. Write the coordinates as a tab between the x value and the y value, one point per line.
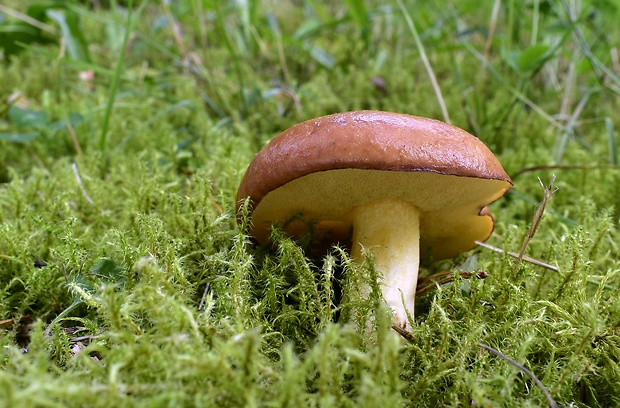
390	230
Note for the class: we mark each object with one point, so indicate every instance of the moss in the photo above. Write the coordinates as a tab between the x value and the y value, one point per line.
125	279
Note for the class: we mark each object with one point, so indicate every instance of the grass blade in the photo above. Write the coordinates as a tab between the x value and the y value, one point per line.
427	64
118	70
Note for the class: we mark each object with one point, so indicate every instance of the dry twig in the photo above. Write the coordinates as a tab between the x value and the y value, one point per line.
480	274
404	333
79	181
27	19
516	255
549	191
521	367
74	139
201	306
492	26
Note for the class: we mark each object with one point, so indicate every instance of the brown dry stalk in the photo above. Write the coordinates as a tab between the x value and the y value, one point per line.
492	26
549	191
79	181
11	320
27	19
74	139
516	255
465	275
404	333
521	367
176	29
201	306
425	62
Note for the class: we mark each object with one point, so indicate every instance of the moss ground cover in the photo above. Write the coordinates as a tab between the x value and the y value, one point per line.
125	128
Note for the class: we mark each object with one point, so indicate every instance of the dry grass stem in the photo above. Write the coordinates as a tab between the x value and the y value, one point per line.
447	277
567	99
201	306
426	62
404	333
516	255
514	91
521	367
549	191
74	139
27	19
602	72
492	27
79	181
176	29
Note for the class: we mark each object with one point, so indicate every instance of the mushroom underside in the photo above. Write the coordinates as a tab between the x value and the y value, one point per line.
449	207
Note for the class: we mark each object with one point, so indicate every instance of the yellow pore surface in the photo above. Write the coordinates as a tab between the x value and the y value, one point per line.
448	205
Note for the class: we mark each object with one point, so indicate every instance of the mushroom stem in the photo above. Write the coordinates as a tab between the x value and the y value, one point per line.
390	230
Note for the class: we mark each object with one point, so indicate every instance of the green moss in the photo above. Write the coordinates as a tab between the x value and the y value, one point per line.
126	281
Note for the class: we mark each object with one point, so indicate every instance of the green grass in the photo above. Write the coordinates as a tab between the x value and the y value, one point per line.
126	281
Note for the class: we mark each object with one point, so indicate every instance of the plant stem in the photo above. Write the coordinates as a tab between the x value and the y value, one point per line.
103	139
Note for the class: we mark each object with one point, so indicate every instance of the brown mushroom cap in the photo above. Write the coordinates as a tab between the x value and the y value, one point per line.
324	168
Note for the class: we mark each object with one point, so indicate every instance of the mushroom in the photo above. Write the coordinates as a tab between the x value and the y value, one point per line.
405	188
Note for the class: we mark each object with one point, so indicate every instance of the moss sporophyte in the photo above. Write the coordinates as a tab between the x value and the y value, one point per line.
402	187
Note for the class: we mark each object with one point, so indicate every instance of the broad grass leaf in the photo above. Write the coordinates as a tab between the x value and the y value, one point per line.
27	118
357	11
309	27
322	57
529	60
74	119
69	24
18	137
14	35
17	28
533	58
107	268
